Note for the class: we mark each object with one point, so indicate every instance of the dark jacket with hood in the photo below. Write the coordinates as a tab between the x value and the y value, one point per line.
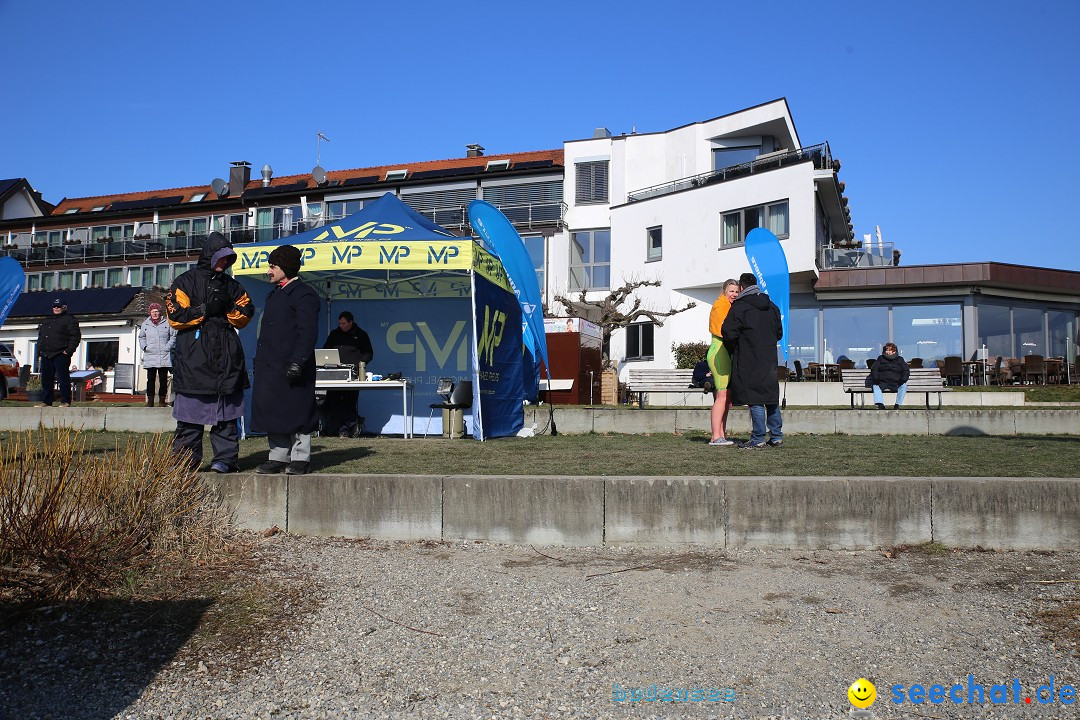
750	332
287	334
888	373
58	334
206	308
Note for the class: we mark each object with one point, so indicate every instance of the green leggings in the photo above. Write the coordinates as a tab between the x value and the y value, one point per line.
719	363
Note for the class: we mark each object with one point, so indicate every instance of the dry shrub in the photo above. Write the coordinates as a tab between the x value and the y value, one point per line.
74	523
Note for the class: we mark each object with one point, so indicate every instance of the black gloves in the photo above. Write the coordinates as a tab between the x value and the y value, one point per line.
292	373
217	305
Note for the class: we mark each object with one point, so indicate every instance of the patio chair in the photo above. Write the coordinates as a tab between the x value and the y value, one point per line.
998	374
953	367
1034	367
915	363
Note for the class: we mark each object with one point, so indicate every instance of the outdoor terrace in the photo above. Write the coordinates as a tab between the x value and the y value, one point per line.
820	155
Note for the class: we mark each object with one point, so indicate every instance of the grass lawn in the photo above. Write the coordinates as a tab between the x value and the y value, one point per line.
687	454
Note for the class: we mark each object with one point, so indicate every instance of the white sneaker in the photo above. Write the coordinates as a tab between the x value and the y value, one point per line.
721	441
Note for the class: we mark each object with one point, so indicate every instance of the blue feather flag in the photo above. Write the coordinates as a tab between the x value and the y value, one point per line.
769	265
11	284
500	236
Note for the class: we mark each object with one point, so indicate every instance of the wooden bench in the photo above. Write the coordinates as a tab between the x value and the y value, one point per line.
922	380
644	381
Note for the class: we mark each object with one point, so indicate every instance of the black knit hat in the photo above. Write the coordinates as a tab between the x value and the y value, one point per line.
287	258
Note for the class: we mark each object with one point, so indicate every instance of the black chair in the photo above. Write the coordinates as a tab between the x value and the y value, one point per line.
953	368
456	400
798	371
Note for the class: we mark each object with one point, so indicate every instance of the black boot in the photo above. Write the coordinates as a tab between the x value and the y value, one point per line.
879	406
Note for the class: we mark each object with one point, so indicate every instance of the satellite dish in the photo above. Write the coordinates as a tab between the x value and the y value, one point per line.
220	187
319	174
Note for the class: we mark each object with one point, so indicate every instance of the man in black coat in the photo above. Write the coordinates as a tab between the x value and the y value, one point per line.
750	332
354	347
58	339
283	398
890	373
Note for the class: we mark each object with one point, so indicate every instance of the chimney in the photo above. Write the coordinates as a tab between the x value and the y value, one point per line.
601	132
474	150
239	177
267	174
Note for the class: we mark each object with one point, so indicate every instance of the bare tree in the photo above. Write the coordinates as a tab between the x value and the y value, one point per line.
619	308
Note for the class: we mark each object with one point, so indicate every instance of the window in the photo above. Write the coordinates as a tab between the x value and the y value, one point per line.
66	280
147	279
97	278
392	175
728	157
930	332
591	185
736	225
855	333
654	243
114	277
639	341
102	354
343	208
590	260
535	245
197	197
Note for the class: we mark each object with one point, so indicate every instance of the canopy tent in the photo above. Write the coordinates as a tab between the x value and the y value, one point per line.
435	305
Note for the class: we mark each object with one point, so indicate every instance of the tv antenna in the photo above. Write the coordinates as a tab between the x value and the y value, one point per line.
319	137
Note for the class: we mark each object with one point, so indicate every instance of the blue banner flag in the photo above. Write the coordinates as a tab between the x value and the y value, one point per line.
769	265
498	361
11	284
500	236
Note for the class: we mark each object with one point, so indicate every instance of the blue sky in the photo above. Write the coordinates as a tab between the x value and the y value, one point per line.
953	120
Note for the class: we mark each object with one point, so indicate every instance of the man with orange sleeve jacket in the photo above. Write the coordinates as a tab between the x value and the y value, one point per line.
206	307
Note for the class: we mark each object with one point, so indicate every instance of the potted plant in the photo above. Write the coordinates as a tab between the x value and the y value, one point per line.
33	389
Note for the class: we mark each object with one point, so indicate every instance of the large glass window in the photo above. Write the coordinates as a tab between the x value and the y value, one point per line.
590	260
1028	331
803	337
995	330
1063	330
727	157
930	332
855	333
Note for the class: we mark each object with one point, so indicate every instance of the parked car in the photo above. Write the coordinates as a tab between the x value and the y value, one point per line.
9	368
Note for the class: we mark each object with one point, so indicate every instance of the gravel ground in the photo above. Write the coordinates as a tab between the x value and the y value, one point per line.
476	630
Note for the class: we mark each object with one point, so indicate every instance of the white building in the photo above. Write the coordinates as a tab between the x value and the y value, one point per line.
676	206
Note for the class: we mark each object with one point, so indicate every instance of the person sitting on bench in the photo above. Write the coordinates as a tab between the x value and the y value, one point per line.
889	373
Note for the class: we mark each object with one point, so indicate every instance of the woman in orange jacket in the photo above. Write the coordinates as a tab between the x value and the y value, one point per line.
720	363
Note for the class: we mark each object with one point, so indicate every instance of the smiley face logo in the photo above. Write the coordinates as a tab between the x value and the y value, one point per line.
862	693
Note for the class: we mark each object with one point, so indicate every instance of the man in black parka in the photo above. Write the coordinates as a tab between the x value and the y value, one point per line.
206	306
750	332
58	339
283	398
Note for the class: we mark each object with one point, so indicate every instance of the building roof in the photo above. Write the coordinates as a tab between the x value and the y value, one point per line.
984	274
337	180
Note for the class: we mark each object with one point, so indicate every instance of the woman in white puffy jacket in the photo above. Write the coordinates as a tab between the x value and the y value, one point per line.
156	338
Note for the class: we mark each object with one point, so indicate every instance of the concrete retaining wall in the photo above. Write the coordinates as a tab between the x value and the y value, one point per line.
764	512
630	420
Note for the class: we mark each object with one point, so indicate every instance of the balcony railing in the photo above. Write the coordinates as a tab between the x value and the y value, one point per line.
162	246
525	216
820	155
857	255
